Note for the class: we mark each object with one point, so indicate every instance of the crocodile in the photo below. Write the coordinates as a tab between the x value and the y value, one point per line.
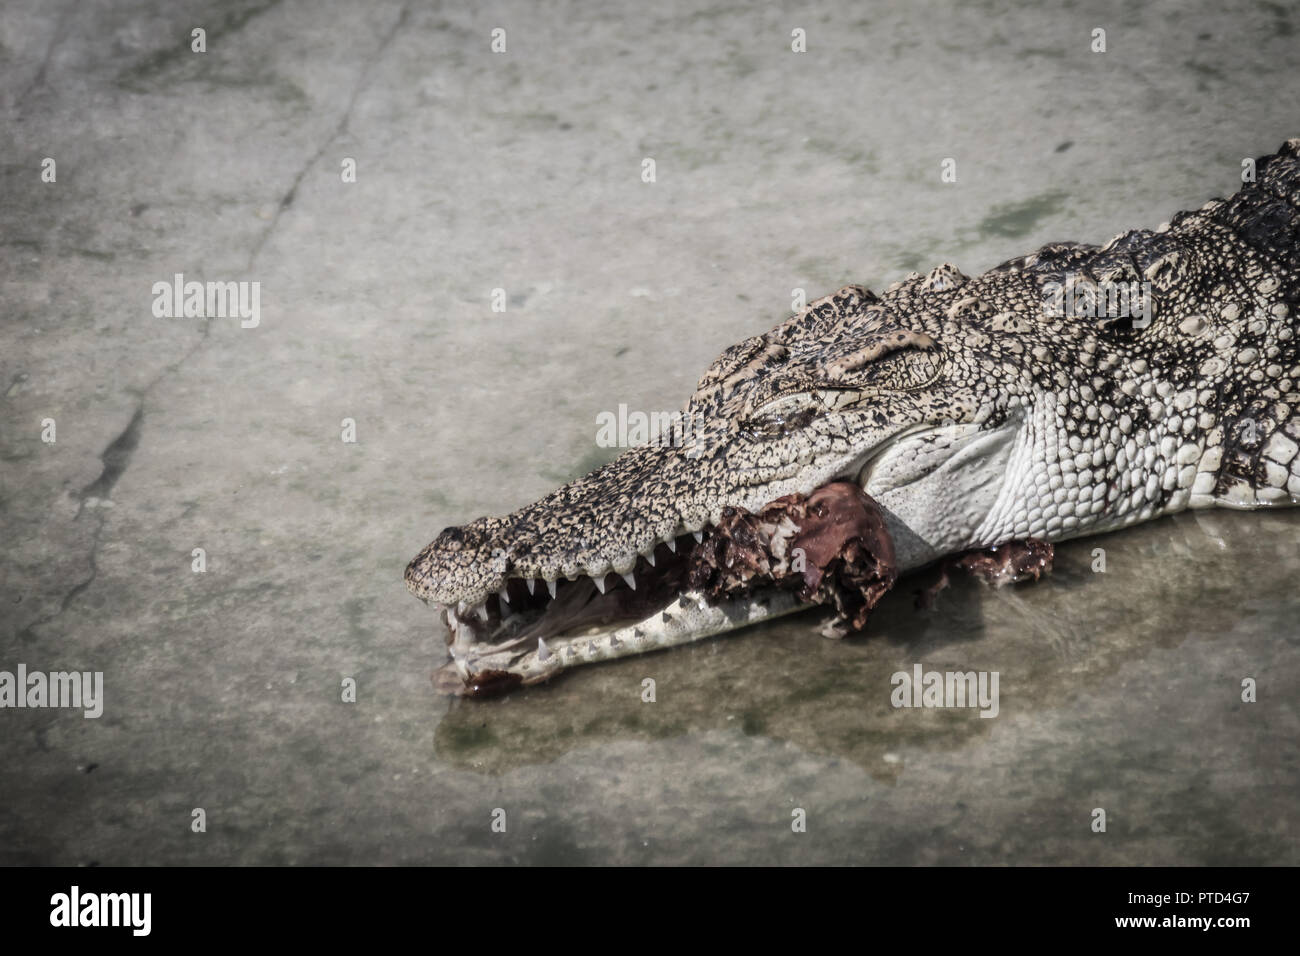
1076	390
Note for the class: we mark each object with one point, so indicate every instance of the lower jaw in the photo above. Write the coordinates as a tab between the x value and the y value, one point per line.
689	617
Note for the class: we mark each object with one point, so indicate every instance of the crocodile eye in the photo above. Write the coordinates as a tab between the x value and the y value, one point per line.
793	410
779	415
902	370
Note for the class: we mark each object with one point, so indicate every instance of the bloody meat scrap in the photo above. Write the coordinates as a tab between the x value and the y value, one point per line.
830	547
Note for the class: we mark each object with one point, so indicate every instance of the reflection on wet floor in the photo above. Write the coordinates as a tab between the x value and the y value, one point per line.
1192	577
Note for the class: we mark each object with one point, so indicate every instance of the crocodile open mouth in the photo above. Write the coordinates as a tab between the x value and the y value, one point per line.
526	614
829	547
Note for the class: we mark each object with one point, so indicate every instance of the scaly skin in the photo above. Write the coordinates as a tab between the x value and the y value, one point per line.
969	411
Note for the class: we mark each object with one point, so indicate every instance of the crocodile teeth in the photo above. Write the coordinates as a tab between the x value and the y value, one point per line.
550	586
505	598
650	557
699	536
600	583
543	652
531	584
672	545
482	611
630	578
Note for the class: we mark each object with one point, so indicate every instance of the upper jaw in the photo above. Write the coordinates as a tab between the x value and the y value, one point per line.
467	583
429	579
517	594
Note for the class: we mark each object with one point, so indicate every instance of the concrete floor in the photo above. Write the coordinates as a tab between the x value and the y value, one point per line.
522	171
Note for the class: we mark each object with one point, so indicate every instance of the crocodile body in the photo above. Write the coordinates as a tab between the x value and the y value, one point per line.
1019	404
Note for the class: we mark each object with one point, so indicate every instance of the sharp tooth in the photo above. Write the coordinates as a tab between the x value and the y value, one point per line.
531	584
672	545
650	557
699	536
550	586
543	652
600	583
630	578
482	611
505	598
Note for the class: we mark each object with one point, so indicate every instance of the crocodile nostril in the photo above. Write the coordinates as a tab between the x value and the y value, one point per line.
453	538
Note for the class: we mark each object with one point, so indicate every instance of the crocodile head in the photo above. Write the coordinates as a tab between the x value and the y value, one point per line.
879	392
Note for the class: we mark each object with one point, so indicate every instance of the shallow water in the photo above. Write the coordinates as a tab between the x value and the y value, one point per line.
1118	690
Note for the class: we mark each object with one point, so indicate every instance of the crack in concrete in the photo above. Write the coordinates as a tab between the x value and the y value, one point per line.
361	85
117	456
155	64
60	31
28	633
